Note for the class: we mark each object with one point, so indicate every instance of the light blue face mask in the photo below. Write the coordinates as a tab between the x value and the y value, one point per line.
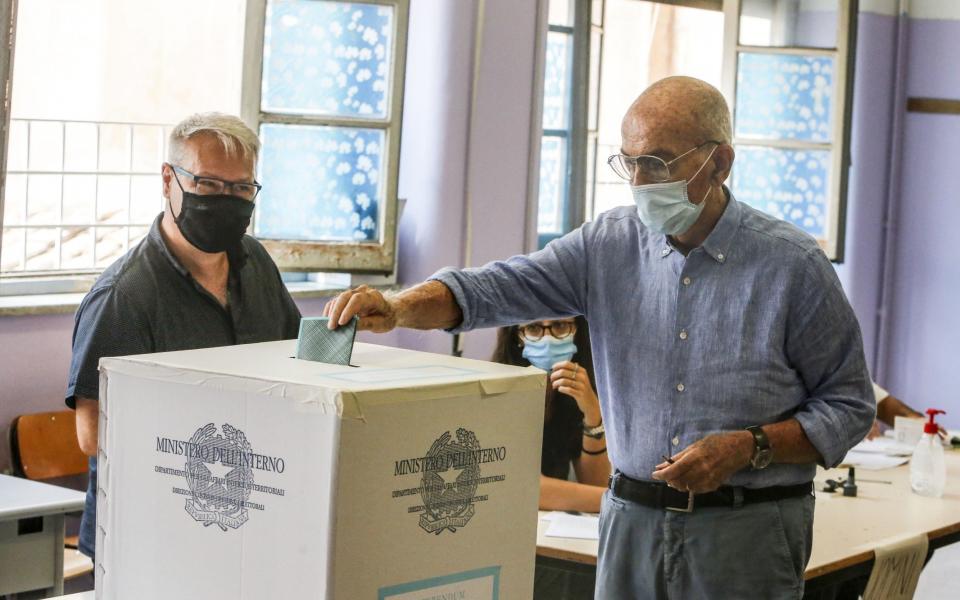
548	351
665	207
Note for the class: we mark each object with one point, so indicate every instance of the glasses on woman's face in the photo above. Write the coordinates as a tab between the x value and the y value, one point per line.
558	329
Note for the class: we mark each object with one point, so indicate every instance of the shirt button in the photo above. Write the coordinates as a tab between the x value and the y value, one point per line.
665	252
686	281
720	257
680	387
675	441
683	334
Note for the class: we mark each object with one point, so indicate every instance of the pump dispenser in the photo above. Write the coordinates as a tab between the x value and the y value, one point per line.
928	472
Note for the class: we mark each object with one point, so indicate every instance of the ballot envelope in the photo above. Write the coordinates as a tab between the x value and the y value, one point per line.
244	473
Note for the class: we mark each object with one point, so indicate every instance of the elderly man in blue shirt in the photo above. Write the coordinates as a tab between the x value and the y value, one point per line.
728	360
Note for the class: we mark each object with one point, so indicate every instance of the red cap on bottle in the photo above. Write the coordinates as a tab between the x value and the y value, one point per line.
931	426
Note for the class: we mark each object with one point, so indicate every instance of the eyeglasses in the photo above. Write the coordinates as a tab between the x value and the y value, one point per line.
208	186
536	331
646	167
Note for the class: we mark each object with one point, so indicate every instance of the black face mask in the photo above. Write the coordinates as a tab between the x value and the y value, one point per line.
214	223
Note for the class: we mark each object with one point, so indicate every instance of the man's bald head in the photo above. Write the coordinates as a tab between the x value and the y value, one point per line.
683	109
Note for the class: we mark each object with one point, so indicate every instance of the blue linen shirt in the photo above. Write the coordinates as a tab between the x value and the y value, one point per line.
751	328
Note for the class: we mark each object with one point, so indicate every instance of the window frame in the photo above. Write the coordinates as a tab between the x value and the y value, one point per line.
844	55
334	256
8	36
577	132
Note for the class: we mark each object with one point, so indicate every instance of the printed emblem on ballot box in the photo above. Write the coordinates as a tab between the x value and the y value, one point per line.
215	500
450	476
449	507
219	474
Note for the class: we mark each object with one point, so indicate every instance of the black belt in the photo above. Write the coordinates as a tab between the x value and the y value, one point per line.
660	495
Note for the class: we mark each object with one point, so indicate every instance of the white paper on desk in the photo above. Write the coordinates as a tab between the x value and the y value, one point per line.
872	461
581	527
884	445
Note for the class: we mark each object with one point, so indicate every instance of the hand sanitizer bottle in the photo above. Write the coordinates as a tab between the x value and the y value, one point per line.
928	473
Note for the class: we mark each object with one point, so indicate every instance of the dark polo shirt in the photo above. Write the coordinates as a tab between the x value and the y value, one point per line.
148	302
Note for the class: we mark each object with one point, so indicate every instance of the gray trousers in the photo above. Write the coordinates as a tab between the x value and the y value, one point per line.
756	551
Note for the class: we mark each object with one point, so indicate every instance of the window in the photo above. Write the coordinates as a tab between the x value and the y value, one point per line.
563	144
789	66
327	101
86	141
786	68
643	42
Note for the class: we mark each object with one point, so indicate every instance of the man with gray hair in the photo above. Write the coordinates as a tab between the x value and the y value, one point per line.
195	281
728	360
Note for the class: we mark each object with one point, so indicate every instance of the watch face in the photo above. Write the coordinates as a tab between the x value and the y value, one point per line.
762	459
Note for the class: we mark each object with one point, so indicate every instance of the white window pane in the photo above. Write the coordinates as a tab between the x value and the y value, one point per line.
561	12
611	191
15	200
43	199
113	192
789	23
11	254
76	248
328	58
46	146
117	60
114	148
320	183
79	199
80	152
148	147
17	146
146	198
42	248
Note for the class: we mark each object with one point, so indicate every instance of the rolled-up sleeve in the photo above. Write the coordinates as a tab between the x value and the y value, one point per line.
548	284
825	346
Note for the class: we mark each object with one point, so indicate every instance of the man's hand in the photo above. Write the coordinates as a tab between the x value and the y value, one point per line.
707	464
376	312
430	305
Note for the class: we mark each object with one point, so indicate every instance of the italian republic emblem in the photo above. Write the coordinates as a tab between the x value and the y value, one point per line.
448	501
219	500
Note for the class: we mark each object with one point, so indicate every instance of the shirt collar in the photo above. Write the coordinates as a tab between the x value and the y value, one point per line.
718	243
156	238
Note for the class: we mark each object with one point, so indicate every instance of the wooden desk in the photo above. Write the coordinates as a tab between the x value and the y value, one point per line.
31	534
845	530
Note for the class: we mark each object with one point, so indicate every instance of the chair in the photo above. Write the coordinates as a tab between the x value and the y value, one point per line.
44	446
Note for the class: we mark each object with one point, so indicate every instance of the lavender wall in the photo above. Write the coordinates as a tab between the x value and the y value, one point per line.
861	270
924	324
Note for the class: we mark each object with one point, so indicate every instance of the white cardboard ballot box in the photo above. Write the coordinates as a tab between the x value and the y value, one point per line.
244	473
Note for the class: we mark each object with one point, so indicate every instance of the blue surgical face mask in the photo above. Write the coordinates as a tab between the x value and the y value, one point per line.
665	208
548	351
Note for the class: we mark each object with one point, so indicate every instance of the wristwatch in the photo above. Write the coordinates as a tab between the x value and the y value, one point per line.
594	432
762	452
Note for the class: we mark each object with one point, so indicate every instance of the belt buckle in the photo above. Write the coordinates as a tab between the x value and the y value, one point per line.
688	509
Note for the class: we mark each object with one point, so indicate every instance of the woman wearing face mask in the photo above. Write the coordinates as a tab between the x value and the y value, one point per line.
573	428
